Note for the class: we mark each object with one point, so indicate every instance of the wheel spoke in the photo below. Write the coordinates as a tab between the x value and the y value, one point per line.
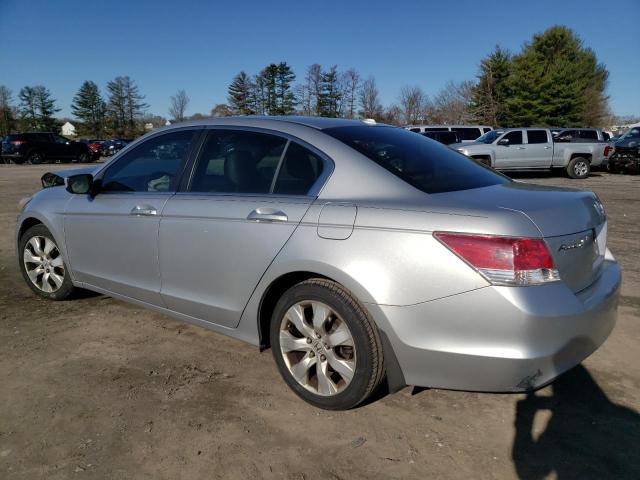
30	257
325	384
296	316
48	246
289	343
35	244
340	337
46	286
320	314
301	369
57	262
57	279
35	273
345	368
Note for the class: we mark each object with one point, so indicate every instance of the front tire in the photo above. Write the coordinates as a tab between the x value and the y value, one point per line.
42	265
325	346
84	157
35	158
579	167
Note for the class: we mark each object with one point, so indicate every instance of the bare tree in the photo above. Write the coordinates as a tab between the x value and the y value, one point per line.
178	108
453	104
351	82
412	102
313	80
370	99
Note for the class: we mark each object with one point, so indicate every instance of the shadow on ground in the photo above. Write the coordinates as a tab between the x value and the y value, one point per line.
587	436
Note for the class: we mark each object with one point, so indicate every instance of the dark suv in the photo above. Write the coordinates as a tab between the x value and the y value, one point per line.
42	147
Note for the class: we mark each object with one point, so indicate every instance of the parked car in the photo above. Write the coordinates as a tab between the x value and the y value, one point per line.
354	251
111	147
95	146
468	133
41	147
626	156
536	149
445	137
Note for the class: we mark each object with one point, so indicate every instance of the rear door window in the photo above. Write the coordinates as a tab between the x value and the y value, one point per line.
467	133
589	134
238	161
426	165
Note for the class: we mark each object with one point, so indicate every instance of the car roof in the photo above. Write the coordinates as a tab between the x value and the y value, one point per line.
319	123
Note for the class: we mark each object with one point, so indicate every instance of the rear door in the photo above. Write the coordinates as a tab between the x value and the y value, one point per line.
248	192
511	155
539	148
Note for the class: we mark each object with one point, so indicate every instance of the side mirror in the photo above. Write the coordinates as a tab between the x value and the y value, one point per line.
504	142
80	184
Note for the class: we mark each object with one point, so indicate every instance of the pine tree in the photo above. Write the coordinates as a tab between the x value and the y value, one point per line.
268	76
125	106
553	80
240	95
330	96
89	107
37	108
286	99
491	92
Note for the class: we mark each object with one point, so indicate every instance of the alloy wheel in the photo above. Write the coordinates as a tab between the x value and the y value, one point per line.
318	348
581	168
43	264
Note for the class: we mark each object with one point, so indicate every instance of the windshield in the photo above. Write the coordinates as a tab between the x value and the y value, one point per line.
423	163
489	137
633	133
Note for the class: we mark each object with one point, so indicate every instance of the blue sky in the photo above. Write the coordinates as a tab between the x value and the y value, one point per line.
200	45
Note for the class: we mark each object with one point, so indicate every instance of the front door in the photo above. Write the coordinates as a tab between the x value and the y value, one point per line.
511	155
112	238
218	237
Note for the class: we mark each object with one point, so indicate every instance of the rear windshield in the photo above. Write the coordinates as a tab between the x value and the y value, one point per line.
419	161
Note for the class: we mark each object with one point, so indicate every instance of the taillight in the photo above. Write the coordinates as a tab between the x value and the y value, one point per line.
607	150
504	260
17	142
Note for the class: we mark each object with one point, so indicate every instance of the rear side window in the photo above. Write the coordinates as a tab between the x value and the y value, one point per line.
153	166
299	171
537	136
589	134
436	129
417	130
428	166
467	133
486	129
237	161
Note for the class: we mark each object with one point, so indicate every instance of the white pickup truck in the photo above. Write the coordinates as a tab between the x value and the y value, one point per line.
536	148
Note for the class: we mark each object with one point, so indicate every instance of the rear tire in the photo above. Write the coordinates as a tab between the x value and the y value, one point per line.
42	265
35	158
579	167
84	158
325	346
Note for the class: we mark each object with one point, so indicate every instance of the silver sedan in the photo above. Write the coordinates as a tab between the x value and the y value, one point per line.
361	254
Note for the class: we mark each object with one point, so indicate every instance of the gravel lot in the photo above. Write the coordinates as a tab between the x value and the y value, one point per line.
96	388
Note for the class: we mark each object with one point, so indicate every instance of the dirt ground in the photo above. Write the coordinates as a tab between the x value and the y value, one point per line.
95	388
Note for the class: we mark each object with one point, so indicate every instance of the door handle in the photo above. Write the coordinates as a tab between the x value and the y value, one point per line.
521	148
144	210
267	215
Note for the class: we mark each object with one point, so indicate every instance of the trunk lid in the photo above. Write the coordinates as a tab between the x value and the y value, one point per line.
572	223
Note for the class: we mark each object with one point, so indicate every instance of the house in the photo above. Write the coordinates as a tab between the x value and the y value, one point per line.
68	130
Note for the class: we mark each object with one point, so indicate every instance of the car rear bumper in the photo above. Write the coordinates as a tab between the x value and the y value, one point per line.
501	339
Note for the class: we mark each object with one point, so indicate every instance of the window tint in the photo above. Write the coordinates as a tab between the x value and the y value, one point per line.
59	139
299	171
428	166
153	166
515	137
467	133
235	161
590	134
606	136
537	136
415	130
486	129
568	133
436	129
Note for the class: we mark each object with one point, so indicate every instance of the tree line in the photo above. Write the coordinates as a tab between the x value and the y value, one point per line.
553	81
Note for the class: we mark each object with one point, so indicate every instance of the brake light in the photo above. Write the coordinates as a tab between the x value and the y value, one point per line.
17	142
504	260
607	150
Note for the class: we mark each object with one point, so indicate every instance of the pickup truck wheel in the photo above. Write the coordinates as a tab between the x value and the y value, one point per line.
35	158
578	167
